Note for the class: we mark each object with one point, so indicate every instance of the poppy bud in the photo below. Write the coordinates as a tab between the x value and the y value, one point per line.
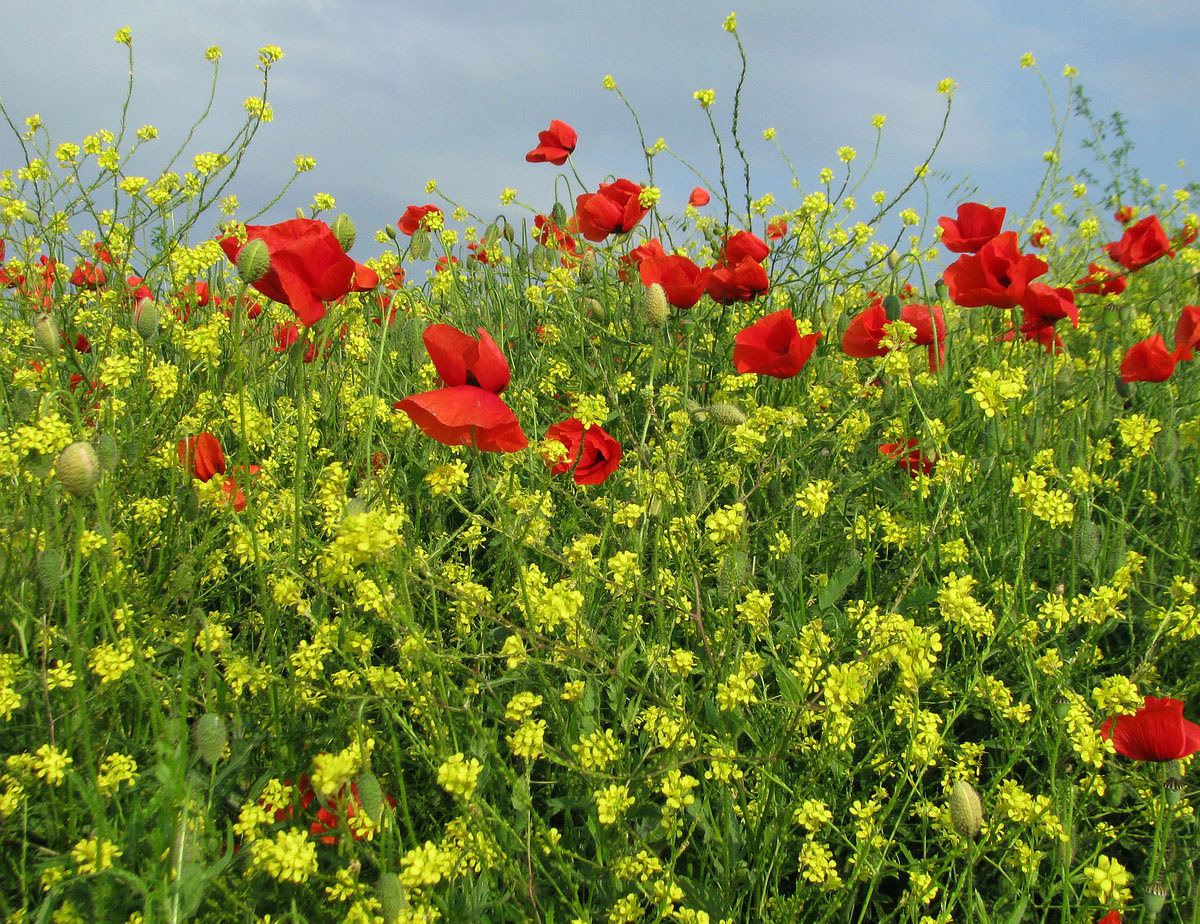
299	212
587	266
966	810
654	306
106	449
419	245
1124	389
593	308
254	261
1114	787
940	288
558	214
345	232
370	796
1173	788
491	236
727	415
391	232
45	332
210	737
1154	898
49	569
1087	539
891	308
893	260
392	901
145	318
78	468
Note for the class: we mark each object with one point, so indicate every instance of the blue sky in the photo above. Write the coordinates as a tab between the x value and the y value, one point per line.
388	95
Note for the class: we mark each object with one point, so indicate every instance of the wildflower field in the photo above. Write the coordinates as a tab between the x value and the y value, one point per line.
768	556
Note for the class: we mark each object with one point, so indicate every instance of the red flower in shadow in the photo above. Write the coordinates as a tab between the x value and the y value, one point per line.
1157	731
410	221
1100	281
909	458
201	456
773	346
1140	245
554	145
592	455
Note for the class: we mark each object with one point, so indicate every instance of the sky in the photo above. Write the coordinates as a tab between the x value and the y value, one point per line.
387	95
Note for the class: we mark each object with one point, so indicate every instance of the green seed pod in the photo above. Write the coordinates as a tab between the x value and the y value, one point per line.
254	261
1065	377
940	288
727	415
146	317
1173	789
210	737
419	245
1062	706
542	259
587	266
1087	540
49	569
1127	314
1174	474
732	575
491	236
655	309
392	900
345	232
370	796
78	468
1154	898
45	332
966	810
106	448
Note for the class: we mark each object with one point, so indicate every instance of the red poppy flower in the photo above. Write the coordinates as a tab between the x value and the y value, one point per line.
592	454
773	346
1124	214
554	145
741	283
909	458
682	280
443	264
1044	305
466	416
1101	281
650	248
867	328
741	245
1157	731
975	226
777	229
699	198
308	265
551	236
410	221
233	492
1187	332
615	209
83	345
1148	361
461	359
997	275
1140	245
87	275
1113	917
1039	237
201	456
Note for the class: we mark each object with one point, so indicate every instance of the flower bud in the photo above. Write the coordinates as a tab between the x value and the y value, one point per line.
587	266
893	260
391	232
299	212
49	569
891	308
727	415
392	901
593	308
210	737
370	796
145	318
654	306
940	288
966	810
107	450
558	214
345	232
78	468
419	245
45	332
254	261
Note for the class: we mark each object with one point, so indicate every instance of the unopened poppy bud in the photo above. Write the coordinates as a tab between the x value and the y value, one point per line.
1114	784
391	231
419	245
45	332
1124	389
558	214
1087	539
893	260
1154	898
891	308
78	468
392	900
210	738
345	232
299	212
49	569
727	415
940	288
254	261
107	450
966	810
654	306
587	266
370	796
593	308
145	318
1173	789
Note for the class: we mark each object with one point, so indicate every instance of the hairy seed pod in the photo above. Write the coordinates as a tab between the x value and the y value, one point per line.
49	569
391	897
254	261
966	810
370	796
728	415
587	266
345	232
78	468
655	309
45	332
1087	540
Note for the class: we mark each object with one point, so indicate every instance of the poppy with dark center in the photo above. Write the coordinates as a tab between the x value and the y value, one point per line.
592	455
